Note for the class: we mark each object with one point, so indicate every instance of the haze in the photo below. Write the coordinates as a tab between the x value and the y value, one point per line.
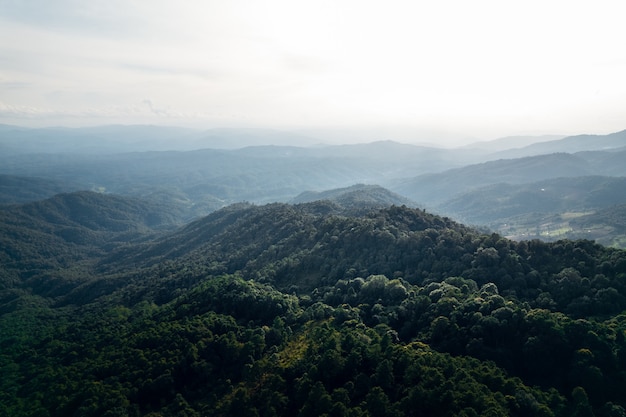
450	70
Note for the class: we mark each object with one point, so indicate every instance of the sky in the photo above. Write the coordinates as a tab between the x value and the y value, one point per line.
451	68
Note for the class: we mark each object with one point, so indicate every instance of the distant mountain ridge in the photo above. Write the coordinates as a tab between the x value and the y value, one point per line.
570	144
434	189
273	173
18	190
512	142
210	178
111	139
141	138
201	181
356	196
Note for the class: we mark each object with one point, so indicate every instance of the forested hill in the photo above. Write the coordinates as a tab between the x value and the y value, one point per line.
18	190
285	233
317	309
301	248
435	188
42	242
359	197
97	212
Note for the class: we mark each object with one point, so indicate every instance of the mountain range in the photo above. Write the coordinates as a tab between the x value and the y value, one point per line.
351	304
474	184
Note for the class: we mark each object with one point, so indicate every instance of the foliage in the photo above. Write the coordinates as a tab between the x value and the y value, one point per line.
309	309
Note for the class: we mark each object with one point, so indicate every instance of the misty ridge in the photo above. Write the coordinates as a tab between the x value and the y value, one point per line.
523	187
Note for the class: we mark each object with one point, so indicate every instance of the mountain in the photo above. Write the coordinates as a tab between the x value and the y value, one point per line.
223	138
496	203
570	144
211	178
17	190
309	309
91	140
39	240
200	181
574	207
98	212
510	143
434	189
302	309
206	179
141	138
549	210
112	139
358	196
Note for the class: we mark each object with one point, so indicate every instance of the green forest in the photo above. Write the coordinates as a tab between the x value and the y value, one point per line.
109	307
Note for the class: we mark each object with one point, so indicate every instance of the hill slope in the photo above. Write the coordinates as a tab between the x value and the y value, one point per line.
42	242
434	189
606	226
358	196
18	190
311	309
548	209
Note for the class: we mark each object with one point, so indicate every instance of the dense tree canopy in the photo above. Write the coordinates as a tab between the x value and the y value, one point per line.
310	310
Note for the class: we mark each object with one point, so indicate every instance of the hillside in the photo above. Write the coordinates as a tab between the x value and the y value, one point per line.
606	226
313	309
498	202
17	190
43	242
434	189
359	196
550	209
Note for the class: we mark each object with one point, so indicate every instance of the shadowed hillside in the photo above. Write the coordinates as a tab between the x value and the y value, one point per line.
43	242
310	309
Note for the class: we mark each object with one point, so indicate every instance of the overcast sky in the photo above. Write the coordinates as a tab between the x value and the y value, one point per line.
470	68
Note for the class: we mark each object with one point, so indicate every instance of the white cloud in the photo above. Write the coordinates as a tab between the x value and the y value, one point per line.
492	67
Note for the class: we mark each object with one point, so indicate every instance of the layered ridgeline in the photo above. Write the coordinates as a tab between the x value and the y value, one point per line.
538	197
45	246
494	184
311	309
